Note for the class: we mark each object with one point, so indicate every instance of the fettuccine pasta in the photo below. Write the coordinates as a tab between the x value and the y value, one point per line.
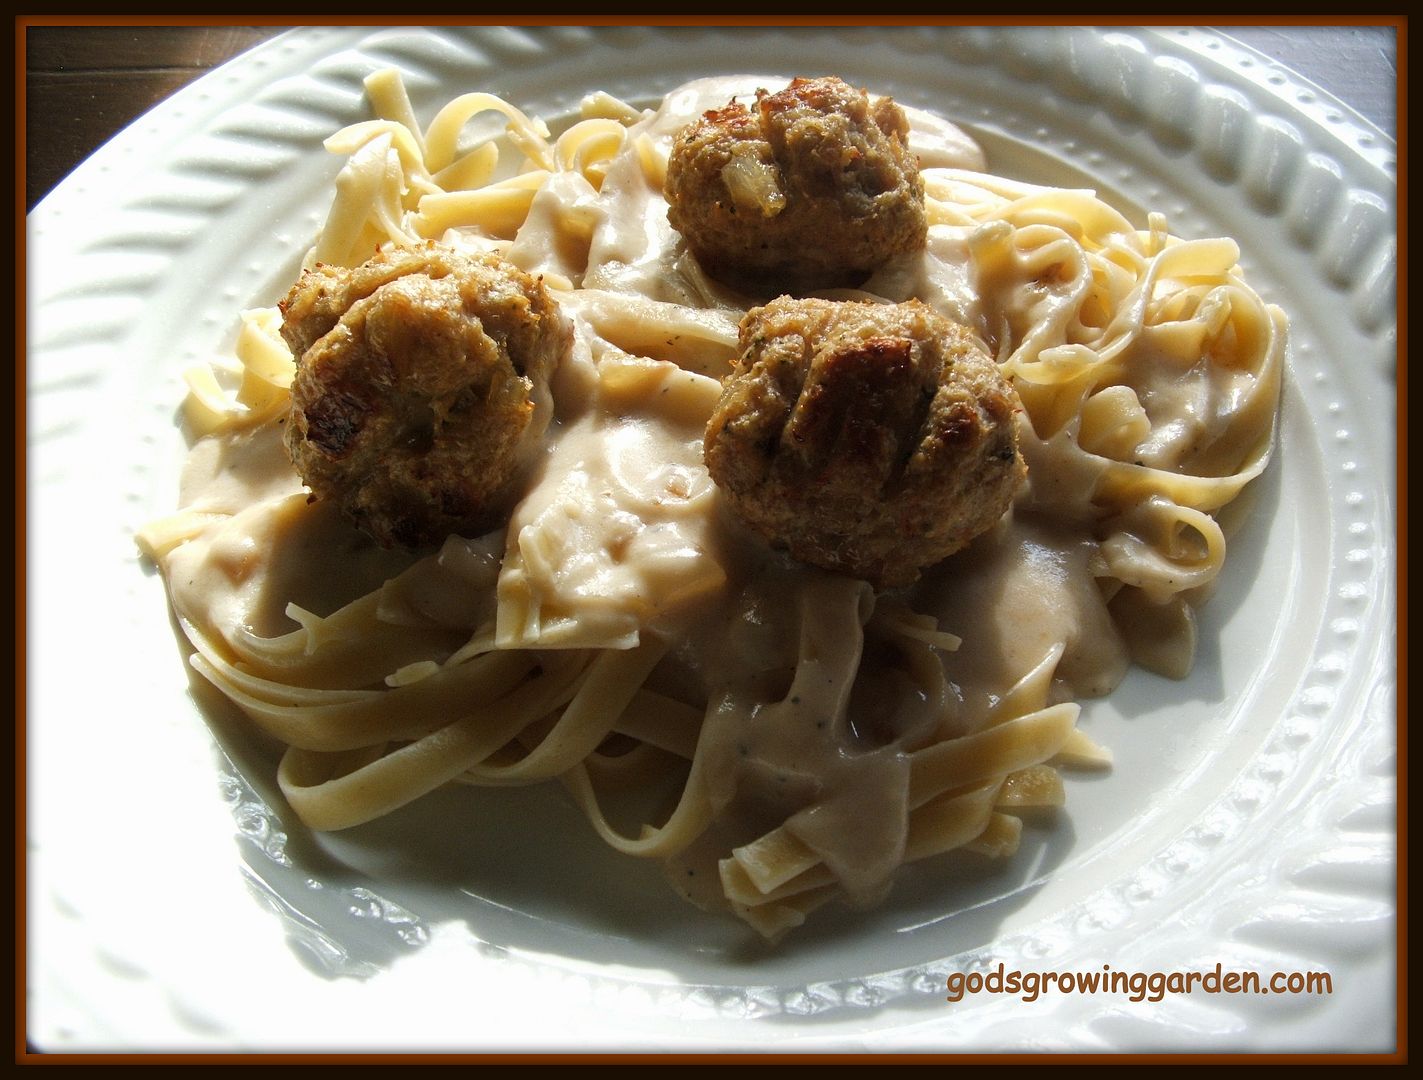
779	736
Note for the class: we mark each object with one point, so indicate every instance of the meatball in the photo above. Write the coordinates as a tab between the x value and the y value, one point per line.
870	439
813	189
421	388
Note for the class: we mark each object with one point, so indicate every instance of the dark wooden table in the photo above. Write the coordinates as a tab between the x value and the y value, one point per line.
84	84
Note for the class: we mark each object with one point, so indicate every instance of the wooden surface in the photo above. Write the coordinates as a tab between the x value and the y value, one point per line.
84	84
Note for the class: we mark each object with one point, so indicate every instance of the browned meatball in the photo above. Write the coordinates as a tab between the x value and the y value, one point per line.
813	189
421	388
871	439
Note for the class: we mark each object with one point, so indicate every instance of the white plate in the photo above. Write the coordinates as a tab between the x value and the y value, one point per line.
1250	820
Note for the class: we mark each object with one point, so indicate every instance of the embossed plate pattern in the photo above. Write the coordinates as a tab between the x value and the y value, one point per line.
1250	818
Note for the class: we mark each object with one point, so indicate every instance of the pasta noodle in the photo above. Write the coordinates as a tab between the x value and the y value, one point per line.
622	634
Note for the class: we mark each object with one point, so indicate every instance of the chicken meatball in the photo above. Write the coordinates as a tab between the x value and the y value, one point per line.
421	388
814	188
870	439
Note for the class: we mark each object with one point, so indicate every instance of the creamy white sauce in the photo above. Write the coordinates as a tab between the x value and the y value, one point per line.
622	535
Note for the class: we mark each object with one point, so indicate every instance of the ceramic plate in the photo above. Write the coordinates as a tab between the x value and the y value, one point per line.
1249	821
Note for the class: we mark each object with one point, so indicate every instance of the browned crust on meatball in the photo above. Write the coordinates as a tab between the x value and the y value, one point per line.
815	188
871	439
421	388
